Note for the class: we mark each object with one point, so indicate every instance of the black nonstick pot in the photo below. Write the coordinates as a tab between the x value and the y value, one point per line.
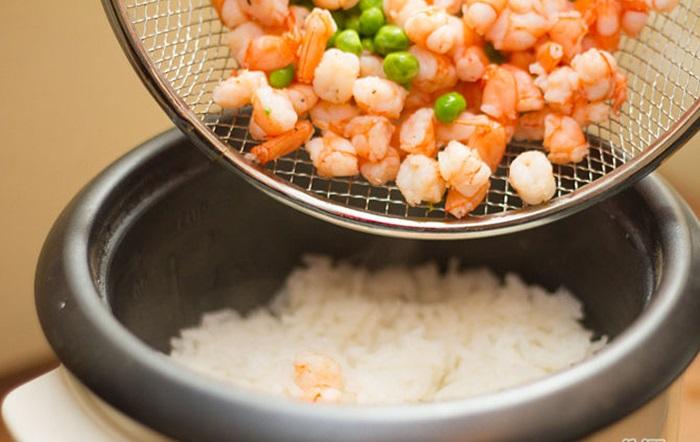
164	235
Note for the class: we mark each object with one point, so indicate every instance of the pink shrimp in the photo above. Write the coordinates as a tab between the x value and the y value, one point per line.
266	12
419	180
229	12
568	31
379	96
560	88
273	111
517	32
530	126
463	170
333	117
435	72
482	14
283	144
596	70
470	62
548	55
333	156
302	97
270	52
417	133
319	26
238	40
382	171
522	59
371	135
564	139
529	95
500	97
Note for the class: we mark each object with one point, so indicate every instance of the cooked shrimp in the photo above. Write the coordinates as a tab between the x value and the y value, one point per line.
529	96
522	59
548	56
333	156
451	6
500	97
270	52
379	96
532	177
619	95
560	88
237	91
459	205
255	131
319	377
461	129
371	66
531	126
382	171
333	117
417	99
229	12
319	26
266	12
517	32
470	63
302	97
335	75
431	28
473	93
419	25
480	132
335	4
662	5
370	135
463	170
419	180
284	144
418	133
398	11
596	70
633	22
239	39
568	31
585	112
564	139
482	14
273	111
435	71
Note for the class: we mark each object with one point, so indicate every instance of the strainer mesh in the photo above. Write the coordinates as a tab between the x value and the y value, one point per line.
184	40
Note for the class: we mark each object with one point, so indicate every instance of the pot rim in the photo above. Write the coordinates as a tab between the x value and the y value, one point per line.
596	392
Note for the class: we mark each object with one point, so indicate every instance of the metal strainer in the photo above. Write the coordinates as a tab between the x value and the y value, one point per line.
177	47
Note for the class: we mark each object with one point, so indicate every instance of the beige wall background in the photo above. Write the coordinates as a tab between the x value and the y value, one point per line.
69	105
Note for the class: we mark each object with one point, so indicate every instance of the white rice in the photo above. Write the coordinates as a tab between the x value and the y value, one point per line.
401	335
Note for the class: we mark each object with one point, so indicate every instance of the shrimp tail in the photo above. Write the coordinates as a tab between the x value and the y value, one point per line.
458	205
319	27
283	144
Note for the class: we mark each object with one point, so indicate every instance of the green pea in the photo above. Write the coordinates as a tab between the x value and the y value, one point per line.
353	22
371	20
367	4
280	78
449	106
349	41
493	54
339	18
368	44
401	67
390	38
